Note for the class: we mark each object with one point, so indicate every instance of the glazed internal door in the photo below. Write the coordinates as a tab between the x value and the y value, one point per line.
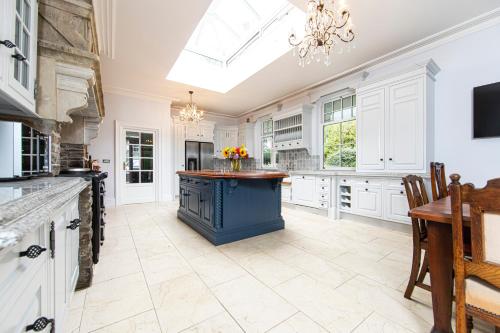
138	181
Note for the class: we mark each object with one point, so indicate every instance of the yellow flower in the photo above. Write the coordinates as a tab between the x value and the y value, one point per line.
243	152
225	152
232	150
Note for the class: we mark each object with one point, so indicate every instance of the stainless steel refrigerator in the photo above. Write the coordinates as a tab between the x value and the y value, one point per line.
199	155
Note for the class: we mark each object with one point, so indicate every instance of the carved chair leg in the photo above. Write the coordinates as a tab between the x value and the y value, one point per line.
470	324
424	269
415	266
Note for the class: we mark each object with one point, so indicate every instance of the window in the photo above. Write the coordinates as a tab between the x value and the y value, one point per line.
339	133
267	143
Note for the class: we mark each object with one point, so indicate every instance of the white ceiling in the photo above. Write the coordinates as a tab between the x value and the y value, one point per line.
150	35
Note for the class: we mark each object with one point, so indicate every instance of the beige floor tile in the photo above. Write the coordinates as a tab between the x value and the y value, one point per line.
195	247
216	268
299	323
268	270
149	247
142	323
183	302
385	301
163	267
73	320
115	244
255	307
327	307
378	324
114	300
116	265
222	323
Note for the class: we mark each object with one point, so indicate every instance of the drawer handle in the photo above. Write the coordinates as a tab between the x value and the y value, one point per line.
7	43
402	192
40	324
366	181
33	251
402	184
187	194
74	224
381	160
366	189
390	158
18	57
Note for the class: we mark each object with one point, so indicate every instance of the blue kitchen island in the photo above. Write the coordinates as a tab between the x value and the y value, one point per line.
228	206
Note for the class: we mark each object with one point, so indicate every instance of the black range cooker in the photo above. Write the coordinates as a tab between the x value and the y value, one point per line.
98	207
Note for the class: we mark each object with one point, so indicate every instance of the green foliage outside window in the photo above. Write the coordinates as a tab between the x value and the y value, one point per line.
339	133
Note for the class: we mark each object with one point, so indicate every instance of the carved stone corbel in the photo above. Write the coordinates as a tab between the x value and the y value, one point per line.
73	84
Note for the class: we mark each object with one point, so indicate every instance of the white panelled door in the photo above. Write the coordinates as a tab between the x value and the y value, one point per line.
138	180
370	130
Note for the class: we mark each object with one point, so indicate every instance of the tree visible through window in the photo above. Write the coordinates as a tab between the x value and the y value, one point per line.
267	143
339	133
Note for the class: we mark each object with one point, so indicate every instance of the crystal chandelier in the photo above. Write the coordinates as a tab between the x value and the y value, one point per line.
324	29
190	112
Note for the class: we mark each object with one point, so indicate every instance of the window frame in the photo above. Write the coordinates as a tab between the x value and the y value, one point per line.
353	116
264	136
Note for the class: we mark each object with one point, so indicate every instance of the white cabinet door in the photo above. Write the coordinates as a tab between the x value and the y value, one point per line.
304	191
72	248
180	137
60	270
16	314
367	201
206	133
405	126
22	59
396	205
370	130
192	133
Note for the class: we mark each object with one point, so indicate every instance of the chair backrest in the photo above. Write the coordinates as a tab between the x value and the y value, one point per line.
438	181
417	196
485	234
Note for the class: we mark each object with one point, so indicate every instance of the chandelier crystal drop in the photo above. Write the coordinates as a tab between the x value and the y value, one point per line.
190	112
325	29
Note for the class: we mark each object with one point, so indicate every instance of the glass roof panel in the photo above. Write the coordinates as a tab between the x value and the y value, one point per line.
229	24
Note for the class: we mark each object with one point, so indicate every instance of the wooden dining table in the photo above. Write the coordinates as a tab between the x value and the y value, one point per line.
440	248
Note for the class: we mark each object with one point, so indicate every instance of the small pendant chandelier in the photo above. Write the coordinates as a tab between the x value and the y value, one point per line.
324	29
190	112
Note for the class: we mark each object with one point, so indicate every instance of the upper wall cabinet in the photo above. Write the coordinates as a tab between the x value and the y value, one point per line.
18	38
225	136
203	131
395	122
293	129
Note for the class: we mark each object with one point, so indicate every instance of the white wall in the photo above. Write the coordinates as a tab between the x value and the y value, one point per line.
467	60
143	112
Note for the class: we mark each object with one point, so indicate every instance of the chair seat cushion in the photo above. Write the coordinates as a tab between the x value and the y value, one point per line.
482	295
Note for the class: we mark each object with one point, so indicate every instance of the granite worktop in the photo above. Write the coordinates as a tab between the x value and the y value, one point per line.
27	204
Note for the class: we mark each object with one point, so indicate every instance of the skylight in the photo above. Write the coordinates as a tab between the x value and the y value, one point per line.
234	40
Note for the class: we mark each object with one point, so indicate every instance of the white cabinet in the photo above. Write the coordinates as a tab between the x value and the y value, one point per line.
370	138
18	25
367	200
41	286
396	205
225	137
200	132
246	136
394	123
304	191
293	129
405	126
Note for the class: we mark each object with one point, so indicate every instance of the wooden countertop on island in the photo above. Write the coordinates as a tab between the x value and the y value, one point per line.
212	174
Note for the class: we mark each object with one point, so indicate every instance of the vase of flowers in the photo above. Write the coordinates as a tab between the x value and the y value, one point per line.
235	155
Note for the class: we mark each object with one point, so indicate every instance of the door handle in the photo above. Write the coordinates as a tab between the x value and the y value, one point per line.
124	165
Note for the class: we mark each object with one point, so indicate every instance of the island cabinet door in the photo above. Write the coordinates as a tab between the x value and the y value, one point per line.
207	208
193	202
182	198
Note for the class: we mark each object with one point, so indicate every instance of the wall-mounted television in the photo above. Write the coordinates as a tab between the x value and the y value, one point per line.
487	111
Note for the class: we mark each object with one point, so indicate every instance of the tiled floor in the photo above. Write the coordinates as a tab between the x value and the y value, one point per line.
157	275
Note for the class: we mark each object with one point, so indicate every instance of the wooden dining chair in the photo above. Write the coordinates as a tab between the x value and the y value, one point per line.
477	277
417	196
438	181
